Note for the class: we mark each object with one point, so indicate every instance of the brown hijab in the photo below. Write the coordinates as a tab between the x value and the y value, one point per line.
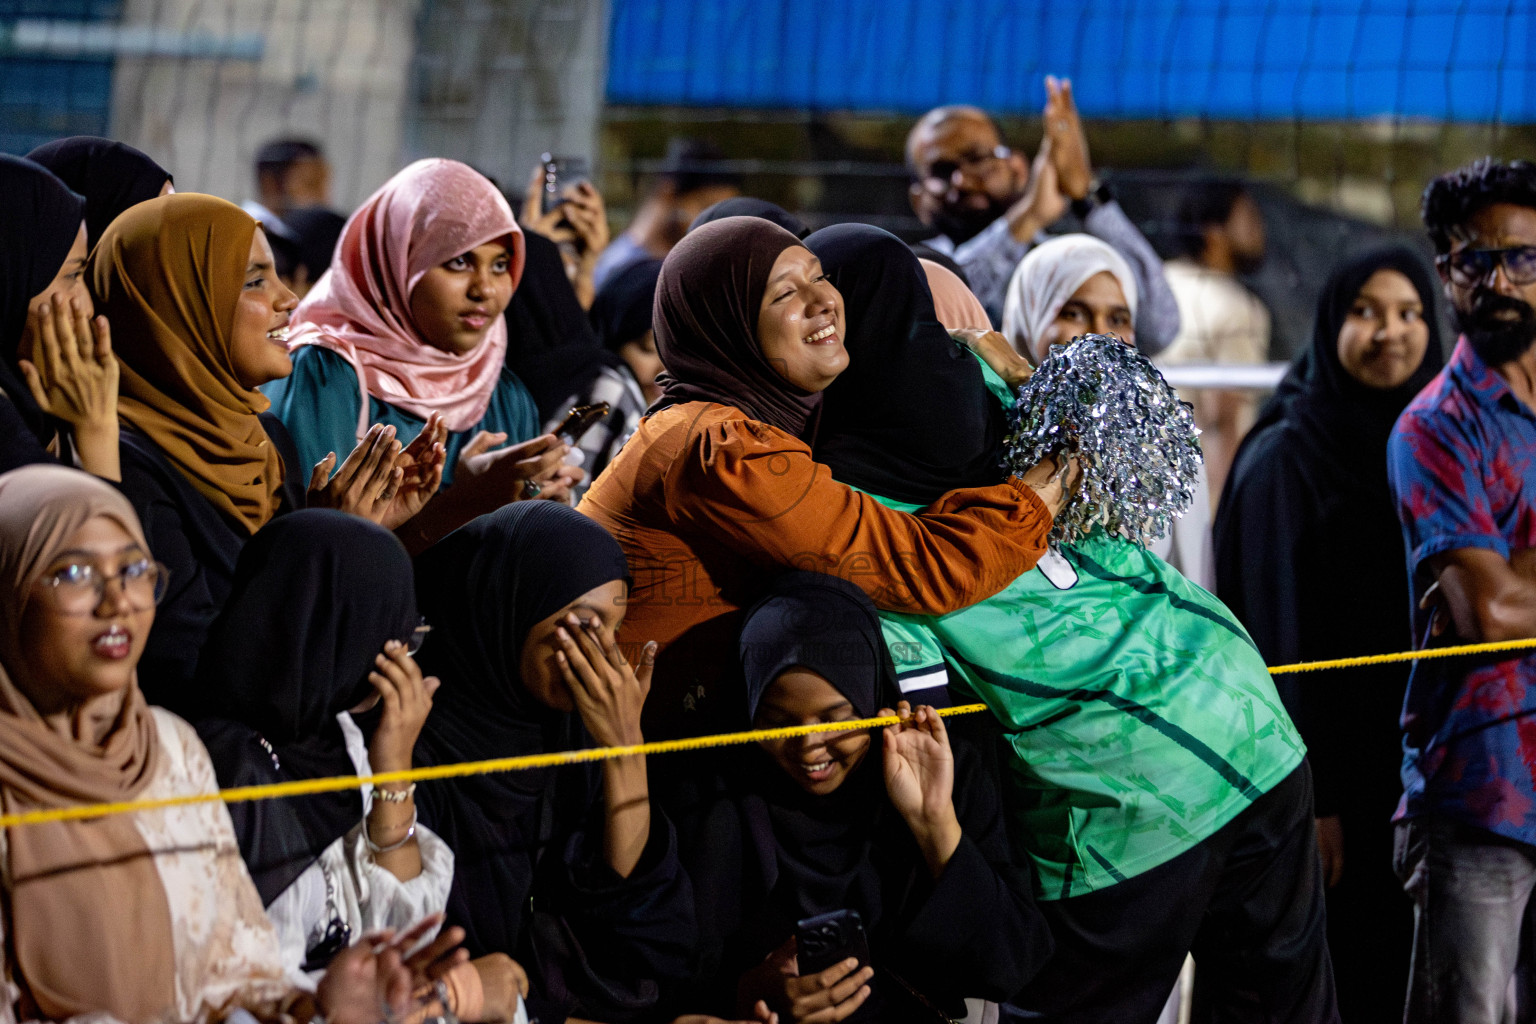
89	923
707	302
167	274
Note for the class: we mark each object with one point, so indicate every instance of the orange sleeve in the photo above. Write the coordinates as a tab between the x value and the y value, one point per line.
758	491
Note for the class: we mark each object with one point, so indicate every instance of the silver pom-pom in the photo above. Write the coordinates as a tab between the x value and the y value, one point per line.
1100	401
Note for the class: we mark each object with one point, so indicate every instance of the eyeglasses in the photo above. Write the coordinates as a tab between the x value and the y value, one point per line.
417	638
941	173
1469	266
79	587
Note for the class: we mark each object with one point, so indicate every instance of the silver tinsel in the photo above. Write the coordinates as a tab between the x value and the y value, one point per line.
1101	401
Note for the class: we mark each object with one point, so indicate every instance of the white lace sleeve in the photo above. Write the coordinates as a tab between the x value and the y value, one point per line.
227	954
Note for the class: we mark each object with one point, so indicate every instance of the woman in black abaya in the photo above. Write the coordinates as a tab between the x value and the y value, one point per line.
791	829
524	603
1309	556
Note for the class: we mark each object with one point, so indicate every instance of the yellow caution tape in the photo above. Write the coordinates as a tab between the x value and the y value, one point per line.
306	787
1389	659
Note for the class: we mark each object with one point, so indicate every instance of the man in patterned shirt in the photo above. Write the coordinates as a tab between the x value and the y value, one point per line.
991	207
1462	462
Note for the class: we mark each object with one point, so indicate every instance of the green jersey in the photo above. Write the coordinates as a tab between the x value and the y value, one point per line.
1140	715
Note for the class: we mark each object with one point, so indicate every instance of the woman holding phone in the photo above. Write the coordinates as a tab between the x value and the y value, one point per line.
897	825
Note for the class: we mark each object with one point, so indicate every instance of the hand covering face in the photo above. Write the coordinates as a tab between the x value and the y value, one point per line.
40	221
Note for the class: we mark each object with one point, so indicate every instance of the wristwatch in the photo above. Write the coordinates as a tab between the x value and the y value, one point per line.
1098	195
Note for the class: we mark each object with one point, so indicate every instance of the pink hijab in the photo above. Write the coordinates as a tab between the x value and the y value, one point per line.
957	306
427	214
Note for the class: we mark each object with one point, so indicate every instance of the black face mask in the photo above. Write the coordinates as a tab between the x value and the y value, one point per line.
1495	339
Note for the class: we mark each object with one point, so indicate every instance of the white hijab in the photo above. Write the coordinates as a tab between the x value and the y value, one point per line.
1047	277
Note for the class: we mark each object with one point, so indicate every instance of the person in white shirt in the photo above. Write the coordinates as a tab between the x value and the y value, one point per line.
1222	235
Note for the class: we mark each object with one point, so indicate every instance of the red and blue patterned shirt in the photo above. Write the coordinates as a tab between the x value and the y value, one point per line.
1462	463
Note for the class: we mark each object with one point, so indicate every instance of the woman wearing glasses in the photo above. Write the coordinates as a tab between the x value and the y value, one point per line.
1309	555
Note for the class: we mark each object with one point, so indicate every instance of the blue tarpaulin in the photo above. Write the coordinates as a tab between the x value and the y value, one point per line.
1229	59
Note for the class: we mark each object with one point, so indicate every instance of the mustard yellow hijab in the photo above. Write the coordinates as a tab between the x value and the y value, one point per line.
167	274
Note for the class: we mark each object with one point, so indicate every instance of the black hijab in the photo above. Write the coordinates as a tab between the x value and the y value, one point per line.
550	343
746	206
707	301
1311	477
42	217
1339	419
911	417
823	843
112	176
483	588
622	310
317	595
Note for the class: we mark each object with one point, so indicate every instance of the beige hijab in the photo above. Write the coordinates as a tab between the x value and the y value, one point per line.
89	923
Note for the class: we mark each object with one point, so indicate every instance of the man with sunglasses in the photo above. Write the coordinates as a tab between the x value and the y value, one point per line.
991	207
1462	463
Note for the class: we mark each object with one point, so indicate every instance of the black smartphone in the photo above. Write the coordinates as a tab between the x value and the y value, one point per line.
560	173
828	939
580	420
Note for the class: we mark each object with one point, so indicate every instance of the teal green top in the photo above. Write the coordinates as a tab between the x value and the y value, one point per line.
319	404
1140	715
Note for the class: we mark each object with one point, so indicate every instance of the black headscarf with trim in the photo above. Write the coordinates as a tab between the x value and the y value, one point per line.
830	627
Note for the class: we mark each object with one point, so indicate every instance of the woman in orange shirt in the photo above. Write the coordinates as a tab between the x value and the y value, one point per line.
717	492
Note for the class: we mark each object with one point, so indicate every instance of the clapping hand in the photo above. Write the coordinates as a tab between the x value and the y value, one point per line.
920	778
1068	142
489	477
421	464
366	483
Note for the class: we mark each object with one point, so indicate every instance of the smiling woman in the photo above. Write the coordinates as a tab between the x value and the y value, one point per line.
895	824
717	492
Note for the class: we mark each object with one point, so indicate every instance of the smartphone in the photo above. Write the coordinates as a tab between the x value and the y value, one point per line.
580	420
827	939
560	173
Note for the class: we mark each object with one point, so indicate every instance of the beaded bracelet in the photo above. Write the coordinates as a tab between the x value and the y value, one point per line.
394	796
